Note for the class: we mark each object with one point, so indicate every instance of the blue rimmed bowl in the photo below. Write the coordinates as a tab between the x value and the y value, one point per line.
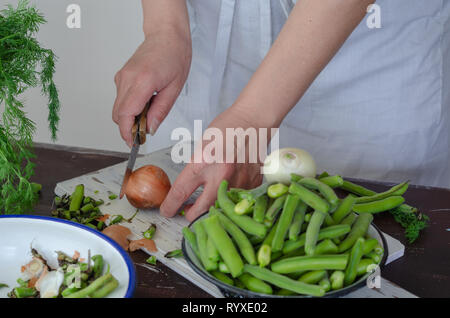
46	234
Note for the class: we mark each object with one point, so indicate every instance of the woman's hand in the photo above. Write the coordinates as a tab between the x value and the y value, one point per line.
160	64
209	175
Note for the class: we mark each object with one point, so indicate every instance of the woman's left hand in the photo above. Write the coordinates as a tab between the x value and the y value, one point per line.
209	174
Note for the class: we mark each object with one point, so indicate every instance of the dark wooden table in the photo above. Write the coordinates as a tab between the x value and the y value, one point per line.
424	270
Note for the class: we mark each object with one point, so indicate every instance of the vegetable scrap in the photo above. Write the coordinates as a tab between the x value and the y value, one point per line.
72	278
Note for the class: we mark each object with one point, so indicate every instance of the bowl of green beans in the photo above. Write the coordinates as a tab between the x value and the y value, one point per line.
297	240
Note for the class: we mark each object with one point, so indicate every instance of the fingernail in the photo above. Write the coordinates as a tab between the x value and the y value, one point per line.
154	124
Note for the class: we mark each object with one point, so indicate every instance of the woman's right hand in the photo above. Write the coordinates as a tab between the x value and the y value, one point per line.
160	64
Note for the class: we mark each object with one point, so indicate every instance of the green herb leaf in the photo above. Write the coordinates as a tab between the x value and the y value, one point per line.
23	64
411	220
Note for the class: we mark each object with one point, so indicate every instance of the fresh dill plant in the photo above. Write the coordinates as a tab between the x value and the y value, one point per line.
23	64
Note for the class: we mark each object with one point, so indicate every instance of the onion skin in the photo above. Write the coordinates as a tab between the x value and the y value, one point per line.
147	187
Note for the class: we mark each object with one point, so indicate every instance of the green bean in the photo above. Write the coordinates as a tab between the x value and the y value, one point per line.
66	292
117	219
150	232
295	177
329	220
312	231
202	241
57	200
349	219
326	247
223	268
359	229
243	207
255	240
259	210
245	222
378	249
369	245
379	206
313	277
243	243
212	252
298	252
175	253
323	175
96	284
309	197
277	190
308	217
106	289
92	226
275	208
354	259
396	190
87	208
223	277
67	215
374	256
224	245
264	255
24	292
297	222
363	266
332	181
356	189
285	221
191	238
283	281
87	200
258	191
325	283
337	280
151	260
77	198
344	208
327	232
254	284
319	262
98	265
233	195
324	189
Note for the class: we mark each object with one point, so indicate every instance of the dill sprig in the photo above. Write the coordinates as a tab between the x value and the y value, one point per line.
23	64
411	220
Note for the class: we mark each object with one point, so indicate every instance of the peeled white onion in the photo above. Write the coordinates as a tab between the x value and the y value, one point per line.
279	165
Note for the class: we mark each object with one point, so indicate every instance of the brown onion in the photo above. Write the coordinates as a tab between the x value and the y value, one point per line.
147	187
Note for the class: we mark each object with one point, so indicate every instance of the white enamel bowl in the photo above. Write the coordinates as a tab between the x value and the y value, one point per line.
19	233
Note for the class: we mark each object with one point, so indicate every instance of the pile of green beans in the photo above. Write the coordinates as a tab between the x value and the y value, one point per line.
80	209
291	239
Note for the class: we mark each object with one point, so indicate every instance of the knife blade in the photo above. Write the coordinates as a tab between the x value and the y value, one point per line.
130	165
139	133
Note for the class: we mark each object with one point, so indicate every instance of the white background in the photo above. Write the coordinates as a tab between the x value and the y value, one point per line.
88	59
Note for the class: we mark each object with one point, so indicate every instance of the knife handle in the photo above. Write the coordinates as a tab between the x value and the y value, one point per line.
140	123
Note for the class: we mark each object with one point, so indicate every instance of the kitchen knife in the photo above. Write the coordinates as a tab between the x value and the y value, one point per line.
139	132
